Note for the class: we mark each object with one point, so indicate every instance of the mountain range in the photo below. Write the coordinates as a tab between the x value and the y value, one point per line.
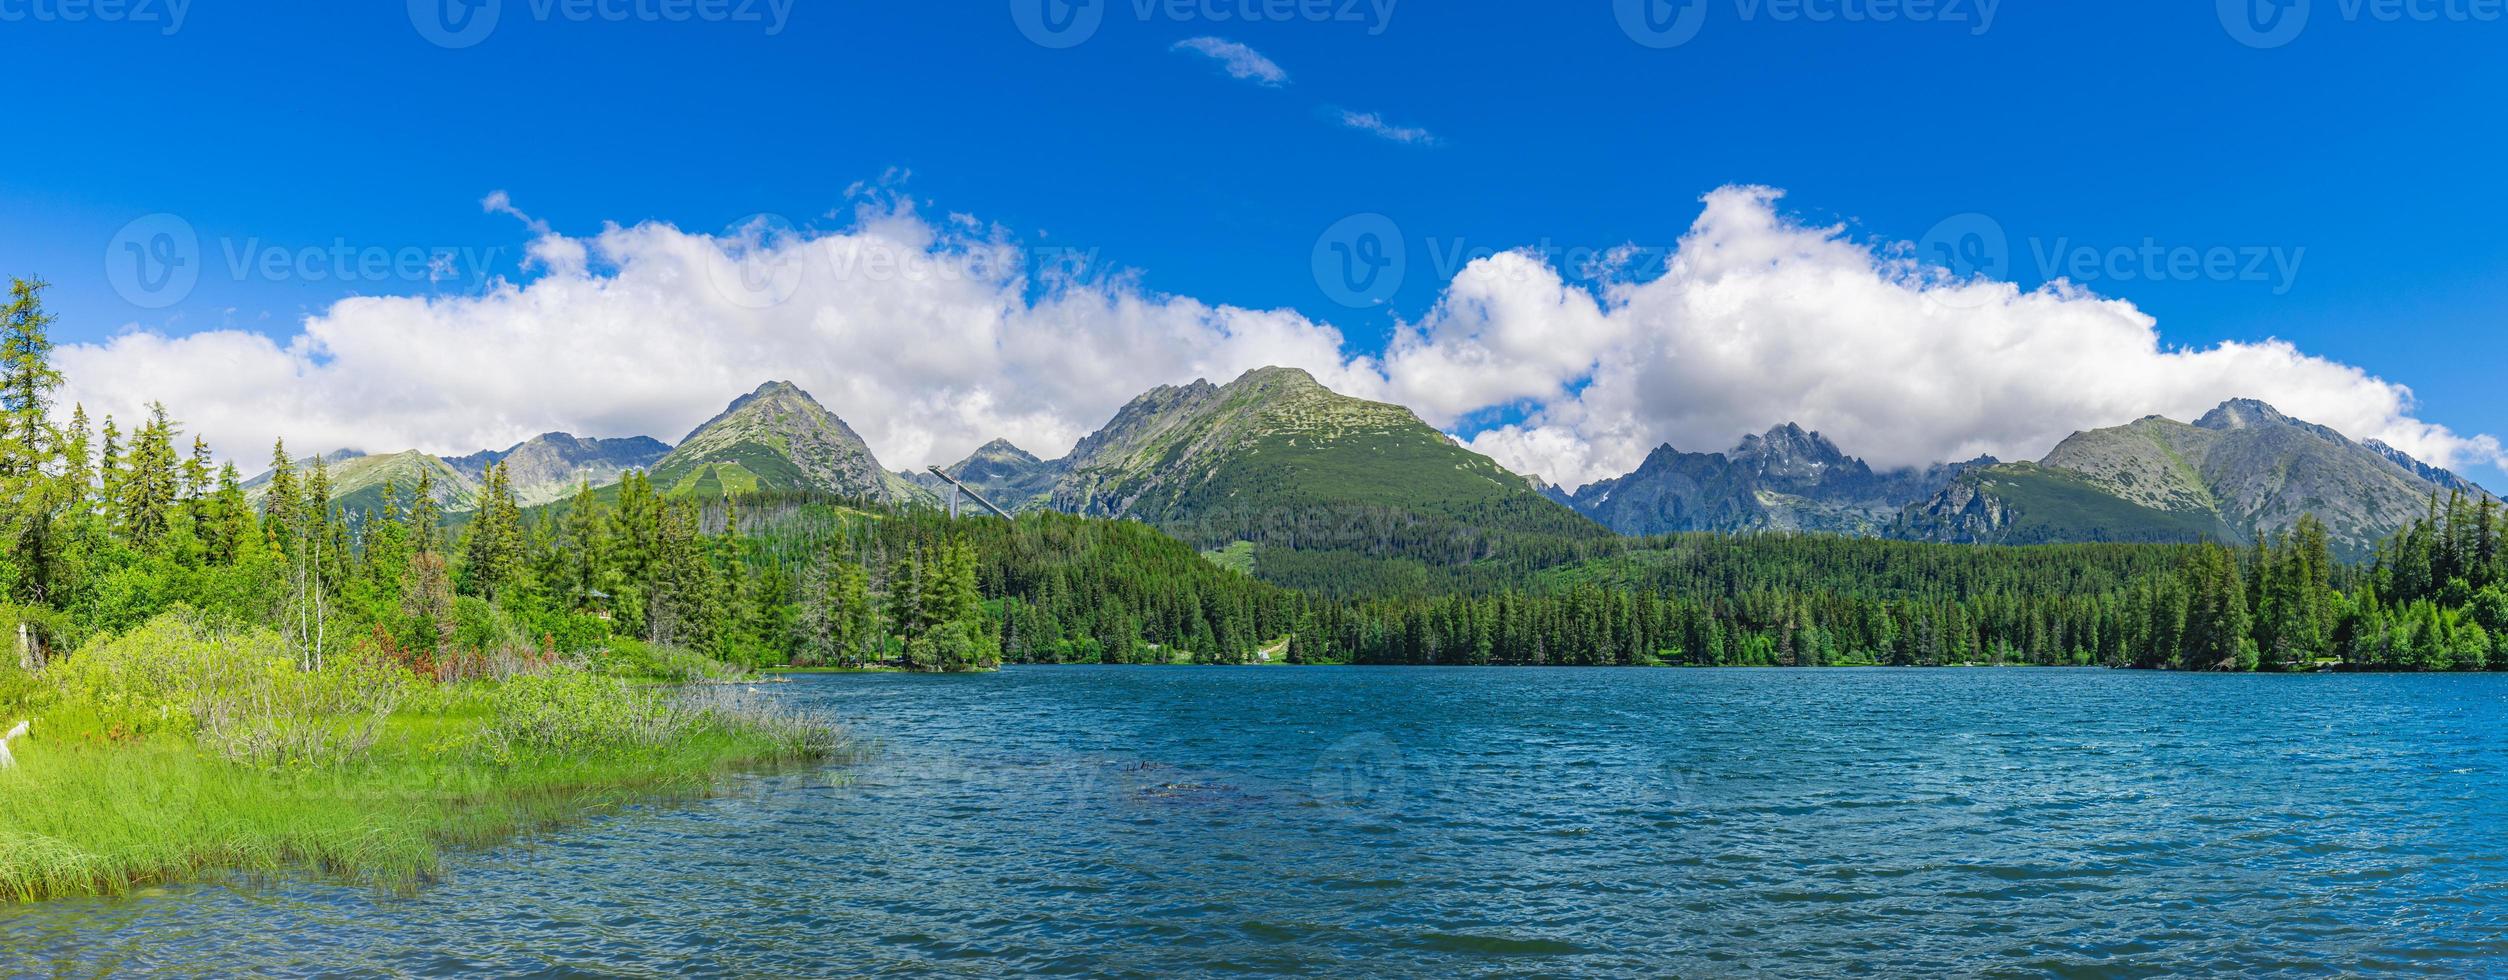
1276	458
2244	469
1785	480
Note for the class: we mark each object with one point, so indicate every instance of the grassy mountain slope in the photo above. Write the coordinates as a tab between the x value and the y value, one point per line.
1277	459
2243	469
779	438
357	480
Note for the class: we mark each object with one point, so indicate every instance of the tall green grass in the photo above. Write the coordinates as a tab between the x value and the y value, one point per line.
184	751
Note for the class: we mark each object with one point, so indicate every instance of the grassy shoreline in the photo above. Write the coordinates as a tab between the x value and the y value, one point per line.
358	771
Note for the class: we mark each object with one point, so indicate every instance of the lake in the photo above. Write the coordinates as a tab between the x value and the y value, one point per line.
1358	821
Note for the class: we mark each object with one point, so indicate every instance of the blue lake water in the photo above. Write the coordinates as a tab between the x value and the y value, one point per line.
1160	822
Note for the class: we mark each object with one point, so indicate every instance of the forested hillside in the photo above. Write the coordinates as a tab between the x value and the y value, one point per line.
109	529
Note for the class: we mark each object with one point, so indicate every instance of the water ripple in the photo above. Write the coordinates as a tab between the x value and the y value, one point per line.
1433	822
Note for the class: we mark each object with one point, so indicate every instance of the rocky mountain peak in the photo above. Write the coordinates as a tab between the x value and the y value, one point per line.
1792	458
2239	413
1002	449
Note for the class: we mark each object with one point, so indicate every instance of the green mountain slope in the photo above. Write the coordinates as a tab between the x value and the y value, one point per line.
2243	469
357	480
1277	459
779	438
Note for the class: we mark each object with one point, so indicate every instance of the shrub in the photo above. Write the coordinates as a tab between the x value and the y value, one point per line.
574	712
238	692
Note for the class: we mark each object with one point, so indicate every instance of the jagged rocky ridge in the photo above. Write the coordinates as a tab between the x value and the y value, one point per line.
1787	479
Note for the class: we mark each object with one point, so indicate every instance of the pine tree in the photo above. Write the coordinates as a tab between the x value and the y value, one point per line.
493	554
426	515
27	381
279	502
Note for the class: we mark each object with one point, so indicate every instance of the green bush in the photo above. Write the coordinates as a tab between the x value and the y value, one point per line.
238	692
573	712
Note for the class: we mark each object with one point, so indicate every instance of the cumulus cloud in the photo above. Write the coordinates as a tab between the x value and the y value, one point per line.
928	337
1369	122
934	336
1757	319
1241	62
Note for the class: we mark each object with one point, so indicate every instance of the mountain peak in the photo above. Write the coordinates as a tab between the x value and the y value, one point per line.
2239	413
778	437
1791	439
1661	455
1003	447
1276	376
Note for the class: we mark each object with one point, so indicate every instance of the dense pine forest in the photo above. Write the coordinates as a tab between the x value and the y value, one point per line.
108	527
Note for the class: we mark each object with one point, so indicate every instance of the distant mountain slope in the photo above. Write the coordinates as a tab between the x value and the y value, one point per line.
1785	480
2244	468
779	438
2424	471
552	465
357	480
1005	474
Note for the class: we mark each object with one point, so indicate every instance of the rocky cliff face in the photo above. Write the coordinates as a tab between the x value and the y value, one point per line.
1786	479
552	465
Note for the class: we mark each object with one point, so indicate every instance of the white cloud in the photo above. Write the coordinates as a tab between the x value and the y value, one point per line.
934	336
1757	319
1241	62
929	338
1369	122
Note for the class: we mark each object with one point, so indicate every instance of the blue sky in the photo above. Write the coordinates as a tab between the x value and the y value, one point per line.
2361	156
